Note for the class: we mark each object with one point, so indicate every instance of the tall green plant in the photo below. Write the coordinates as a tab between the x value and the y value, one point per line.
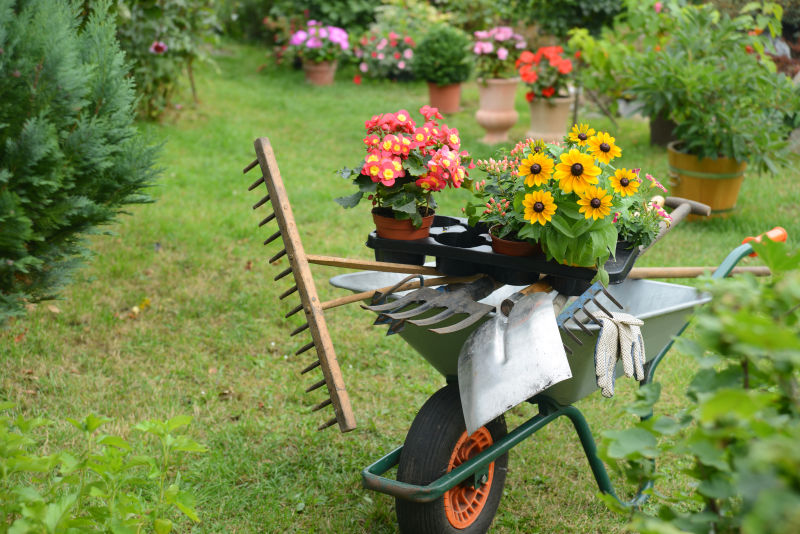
738	435
443	57
70	155
110	485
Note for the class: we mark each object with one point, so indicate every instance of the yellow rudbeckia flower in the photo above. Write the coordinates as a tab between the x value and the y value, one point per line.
581	134
595	203
539	207
536	169
576	171
602	147
625	182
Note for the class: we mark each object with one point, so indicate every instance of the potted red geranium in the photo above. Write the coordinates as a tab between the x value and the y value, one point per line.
404	165
547	73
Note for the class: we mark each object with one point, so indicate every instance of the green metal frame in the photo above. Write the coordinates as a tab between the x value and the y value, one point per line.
549	410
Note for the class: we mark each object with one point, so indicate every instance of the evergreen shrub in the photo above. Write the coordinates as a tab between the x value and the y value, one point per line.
443	57
70	155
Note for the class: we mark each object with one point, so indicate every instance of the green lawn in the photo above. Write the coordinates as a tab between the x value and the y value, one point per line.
213	342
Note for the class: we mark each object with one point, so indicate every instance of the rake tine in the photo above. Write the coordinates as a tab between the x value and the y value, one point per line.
601	307
299	329
583	327
330	422
393	305
278	256
250	166
438	318
321	405
294	310
256	184
566	348
315	385
592	317
419	310
469	321
573	336
396	327
282	274
272	238
288	292
267	219
612	299
304	348
310	367
261	202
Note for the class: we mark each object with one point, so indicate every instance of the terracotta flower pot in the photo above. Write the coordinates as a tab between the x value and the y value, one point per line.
550	118
445	97
715	182
388	227
496	113
321	73
512	247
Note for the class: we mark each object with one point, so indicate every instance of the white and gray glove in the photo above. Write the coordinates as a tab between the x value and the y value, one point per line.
620	338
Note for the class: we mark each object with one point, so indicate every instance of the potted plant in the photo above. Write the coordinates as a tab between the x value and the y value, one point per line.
546	74
726	100
386	55
319	47
496	52
443	59
404	165
569	199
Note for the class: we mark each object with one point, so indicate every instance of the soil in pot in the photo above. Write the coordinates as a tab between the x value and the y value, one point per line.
387	227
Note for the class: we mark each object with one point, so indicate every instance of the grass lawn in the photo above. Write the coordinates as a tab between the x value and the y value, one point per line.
213	342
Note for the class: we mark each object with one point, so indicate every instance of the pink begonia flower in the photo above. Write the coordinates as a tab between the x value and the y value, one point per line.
381	56
408	53
312	22
363	67
158	47
401	65
314	42
381	44
520	45
323	32
482	35
298	38
503	33
502	54
658	6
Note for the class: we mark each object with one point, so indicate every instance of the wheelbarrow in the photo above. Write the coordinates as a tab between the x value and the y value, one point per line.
449	481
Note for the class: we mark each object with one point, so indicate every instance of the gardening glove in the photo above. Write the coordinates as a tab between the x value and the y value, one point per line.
620	338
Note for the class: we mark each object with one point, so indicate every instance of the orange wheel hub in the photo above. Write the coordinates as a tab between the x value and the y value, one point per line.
463	504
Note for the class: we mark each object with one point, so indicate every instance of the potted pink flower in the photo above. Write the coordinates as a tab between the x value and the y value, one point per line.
319	47
496	52
405	163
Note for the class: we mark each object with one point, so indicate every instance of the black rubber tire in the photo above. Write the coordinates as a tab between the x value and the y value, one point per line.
426	454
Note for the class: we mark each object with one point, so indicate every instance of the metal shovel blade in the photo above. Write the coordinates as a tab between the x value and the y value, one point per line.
508	360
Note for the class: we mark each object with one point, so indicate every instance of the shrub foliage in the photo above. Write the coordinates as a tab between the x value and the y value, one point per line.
70	156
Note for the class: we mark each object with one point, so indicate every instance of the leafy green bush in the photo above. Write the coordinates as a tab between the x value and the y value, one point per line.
355	16
70	156
161	38
741	428
443	57
712	81
107	487
477	14
557	18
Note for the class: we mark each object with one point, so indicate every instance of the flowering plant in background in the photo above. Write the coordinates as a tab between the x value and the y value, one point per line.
406	163
496	52
545	72
318	43
386	55
569	198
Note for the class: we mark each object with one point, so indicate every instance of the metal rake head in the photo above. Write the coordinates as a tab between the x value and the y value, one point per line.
579	305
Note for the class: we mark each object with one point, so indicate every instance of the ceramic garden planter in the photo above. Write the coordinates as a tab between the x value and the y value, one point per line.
550	118
321	73
447	98
496	113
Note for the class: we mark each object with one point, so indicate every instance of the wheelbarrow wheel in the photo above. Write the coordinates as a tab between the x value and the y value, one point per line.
436	444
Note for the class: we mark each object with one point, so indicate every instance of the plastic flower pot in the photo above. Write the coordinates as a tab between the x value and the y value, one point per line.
388	227
512	247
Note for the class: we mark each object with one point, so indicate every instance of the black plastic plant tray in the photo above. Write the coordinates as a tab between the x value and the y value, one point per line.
462	250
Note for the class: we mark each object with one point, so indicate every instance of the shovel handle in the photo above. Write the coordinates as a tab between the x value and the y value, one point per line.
690	272
542	286
364	295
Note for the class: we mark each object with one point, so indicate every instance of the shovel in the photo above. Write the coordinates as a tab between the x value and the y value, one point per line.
508	360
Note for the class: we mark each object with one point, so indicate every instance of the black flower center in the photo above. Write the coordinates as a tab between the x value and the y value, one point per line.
538	207
624	182
536	168
595	203
582	136
605	147
537	149
576	169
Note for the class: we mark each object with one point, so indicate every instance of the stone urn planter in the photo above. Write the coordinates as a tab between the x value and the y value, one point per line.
550	118
321	73
496	113
447	98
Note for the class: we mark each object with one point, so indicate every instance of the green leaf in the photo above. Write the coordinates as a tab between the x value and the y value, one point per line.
350	201
734	403
178	421
57	512
162	526
185	503
631	443
114	441
708	453
717	486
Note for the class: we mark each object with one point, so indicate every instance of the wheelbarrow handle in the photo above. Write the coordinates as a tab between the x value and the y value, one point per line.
681	208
